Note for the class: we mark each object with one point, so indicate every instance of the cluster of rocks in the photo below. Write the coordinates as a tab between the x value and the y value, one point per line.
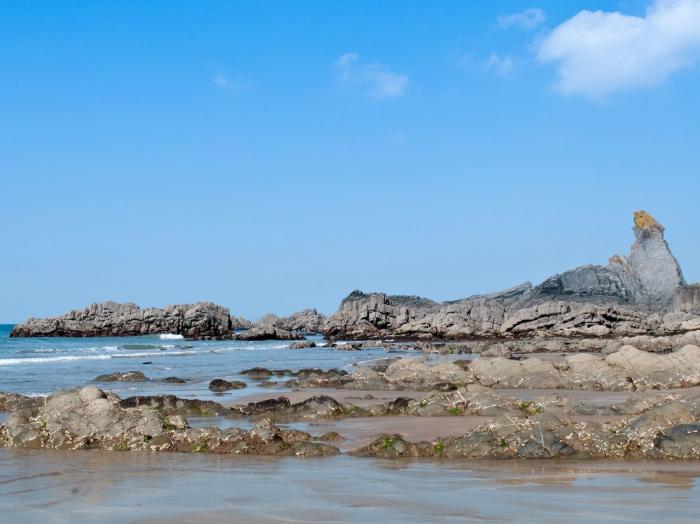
91	419
648	425
202	320
628	369
668	431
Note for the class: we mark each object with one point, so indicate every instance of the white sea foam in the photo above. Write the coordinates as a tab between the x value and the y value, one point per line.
70	358
171	336
46	360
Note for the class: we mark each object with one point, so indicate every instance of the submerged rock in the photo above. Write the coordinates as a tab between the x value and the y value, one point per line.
126	376
220	385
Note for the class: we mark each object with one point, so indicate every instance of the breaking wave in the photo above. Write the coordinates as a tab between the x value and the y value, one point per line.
171	336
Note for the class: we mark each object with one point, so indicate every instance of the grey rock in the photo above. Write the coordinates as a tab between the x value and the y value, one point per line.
687	300
202	320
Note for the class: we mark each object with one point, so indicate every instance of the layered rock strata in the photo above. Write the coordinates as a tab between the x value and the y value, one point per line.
630	296
202	320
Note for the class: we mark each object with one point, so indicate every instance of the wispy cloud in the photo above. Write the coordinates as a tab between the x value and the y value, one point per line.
376	80
232	84
525	20
598	53
396	138
501	65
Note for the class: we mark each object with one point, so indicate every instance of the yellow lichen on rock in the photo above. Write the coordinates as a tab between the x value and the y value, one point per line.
644	220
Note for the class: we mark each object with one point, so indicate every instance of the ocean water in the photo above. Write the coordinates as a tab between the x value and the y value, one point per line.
39	366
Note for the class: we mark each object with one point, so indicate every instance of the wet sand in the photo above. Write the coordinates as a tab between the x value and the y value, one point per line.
95	486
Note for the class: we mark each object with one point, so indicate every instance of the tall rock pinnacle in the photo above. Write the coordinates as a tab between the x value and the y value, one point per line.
648	277
652	263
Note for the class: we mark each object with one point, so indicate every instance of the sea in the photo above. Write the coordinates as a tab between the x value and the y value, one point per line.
142	487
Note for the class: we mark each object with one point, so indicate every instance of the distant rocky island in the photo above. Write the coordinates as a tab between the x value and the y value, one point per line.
643	293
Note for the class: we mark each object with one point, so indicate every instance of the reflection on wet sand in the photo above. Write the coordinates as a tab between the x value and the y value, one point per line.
89	486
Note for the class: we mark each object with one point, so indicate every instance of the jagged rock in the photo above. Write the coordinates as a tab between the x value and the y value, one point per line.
576	319
627	297
267	332
220	385
126	376
238	323
304	344
307	321
90	419
14	401
202	320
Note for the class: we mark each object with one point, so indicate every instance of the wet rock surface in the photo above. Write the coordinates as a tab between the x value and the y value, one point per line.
219	385
91	419
126	376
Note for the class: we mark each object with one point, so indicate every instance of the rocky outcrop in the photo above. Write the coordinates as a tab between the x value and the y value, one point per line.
629	296
238	323
91	419
667	431
267	332
202	320
648	277
293	327
308	321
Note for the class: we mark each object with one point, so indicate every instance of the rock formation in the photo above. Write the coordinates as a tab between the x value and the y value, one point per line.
629	296
293	327
202	320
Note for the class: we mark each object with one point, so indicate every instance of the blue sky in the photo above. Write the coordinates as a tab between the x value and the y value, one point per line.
272	156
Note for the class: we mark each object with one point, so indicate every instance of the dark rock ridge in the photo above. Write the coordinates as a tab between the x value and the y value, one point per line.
202	320
630	296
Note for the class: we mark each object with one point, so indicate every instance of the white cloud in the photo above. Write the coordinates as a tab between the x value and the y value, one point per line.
376	80
598	53
525	20
501	65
